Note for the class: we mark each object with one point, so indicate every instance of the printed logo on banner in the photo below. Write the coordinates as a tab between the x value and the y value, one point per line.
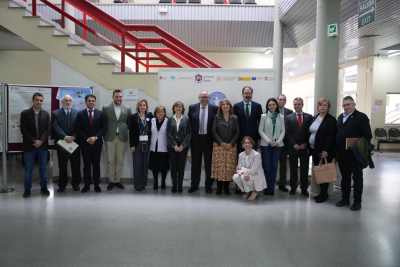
216	97
229	79
172	78
270	79
185	78
163	78
219	78
266	78
244	79
198	78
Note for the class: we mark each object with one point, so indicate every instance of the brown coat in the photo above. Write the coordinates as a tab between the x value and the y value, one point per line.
28	129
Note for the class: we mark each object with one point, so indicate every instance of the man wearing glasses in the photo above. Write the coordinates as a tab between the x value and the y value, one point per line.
351	124
201	117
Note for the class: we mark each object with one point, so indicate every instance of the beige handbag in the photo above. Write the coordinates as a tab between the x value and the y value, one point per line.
325	173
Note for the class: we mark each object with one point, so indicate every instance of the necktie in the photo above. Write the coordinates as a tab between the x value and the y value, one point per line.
299	120
247	112
91	117
68	114
203	118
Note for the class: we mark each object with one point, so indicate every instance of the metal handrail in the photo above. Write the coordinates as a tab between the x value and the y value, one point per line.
176	48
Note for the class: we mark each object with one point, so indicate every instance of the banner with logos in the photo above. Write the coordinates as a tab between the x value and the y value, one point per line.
186	84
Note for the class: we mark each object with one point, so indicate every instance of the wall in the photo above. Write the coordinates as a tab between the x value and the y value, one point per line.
302	86
241	60
386	79
25	67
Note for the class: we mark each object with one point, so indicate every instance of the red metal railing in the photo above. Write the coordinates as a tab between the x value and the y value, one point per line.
176	48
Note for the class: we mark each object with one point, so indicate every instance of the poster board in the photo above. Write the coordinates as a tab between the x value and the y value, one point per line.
186	84
19	98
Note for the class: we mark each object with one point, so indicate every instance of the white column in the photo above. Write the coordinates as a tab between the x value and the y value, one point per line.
278	48
69	25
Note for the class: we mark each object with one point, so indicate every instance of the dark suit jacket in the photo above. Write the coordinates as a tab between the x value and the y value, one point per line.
325	138
61	127
180	137
194	113
357	125
287	111
248	128
28	129
134	129
85	130
293	133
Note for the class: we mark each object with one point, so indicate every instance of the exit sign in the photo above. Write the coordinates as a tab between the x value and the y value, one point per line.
332	30
366	13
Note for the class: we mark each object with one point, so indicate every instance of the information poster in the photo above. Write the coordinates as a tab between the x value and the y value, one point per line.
78	94
20	98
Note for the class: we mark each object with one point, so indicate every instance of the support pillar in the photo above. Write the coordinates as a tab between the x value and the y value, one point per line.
278	49
327	56
70	25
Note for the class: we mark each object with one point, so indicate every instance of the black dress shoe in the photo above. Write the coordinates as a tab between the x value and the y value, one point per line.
343	202
155	187
283	188
192	190
237	191
321	198
163	187
85	189
227	191
97	189
325	195
139	189
26	194
173	190
272	191
355	206
76	188
305	193
180	189
292	192
120	186
109	187
60	190
266	191
208	190
44	191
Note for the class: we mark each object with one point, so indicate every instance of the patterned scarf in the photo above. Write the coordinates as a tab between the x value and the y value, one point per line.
273	119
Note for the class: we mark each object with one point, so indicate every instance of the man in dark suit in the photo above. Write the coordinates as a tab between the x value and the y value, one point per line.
201	119
63	122
283	157
351	124
249	114
297	125
91	125
35	129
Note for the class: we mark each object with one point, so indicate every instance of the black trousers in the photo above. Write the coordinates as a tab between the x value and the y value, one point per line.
91	155
293	161
283	166
349	168
202	147
177	160
75	159
315	158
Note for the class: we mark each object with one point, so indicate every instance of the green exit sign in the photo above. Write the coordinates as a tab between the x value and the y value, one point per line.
366	13
332	30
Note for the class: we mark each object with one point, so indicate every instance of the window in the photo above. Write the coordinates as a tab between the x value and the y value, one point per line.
392	116
349	84
310	105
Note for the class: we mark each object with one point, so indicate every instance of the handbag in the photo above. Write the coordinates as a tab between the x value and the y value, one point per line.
325	173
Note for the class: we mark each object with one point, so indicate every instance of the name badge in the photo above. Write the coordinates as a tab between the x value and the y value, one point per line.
144	138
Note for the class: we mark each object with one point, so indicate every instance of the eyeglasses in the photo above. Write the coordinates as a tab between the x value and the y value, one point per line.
247	93
347	105
204	97
247	143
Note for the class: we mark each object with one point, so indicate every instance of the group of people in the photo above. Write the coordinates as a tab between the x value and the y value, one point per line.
227	135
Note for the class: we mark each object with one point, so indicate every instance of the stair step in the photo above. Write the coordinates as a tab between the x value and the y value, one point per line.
105	63
46	26
60	35
16	7
76	45
31	17
90	54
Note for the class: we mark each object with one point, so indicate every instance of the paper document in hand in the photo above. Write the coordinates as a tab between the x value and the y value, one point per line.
68	147
350	142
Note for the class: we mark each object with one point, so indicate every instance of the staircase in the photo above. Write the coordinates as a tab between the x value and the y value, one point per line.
16	16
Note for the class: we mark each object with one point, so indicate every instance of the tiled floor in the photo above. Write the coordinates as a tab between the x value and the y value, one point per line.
158	228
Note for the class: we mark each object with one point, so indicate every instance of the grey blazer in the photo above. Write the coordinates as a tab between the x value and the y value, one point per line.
179	137
112	122
226	131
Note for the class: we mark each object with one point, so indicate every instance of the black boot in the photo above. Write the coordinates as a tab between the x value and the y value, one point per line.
163	186
180	182
174	185
219	187
226	188
155	175
272	191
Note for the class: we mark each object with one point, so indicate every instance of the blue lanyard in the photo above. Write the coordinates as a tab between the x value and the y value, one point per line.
144	124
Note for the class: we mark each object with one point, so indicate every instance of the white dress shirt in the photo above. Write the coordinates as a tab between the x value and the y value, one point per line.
205	118
345	117
117	112
178	121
